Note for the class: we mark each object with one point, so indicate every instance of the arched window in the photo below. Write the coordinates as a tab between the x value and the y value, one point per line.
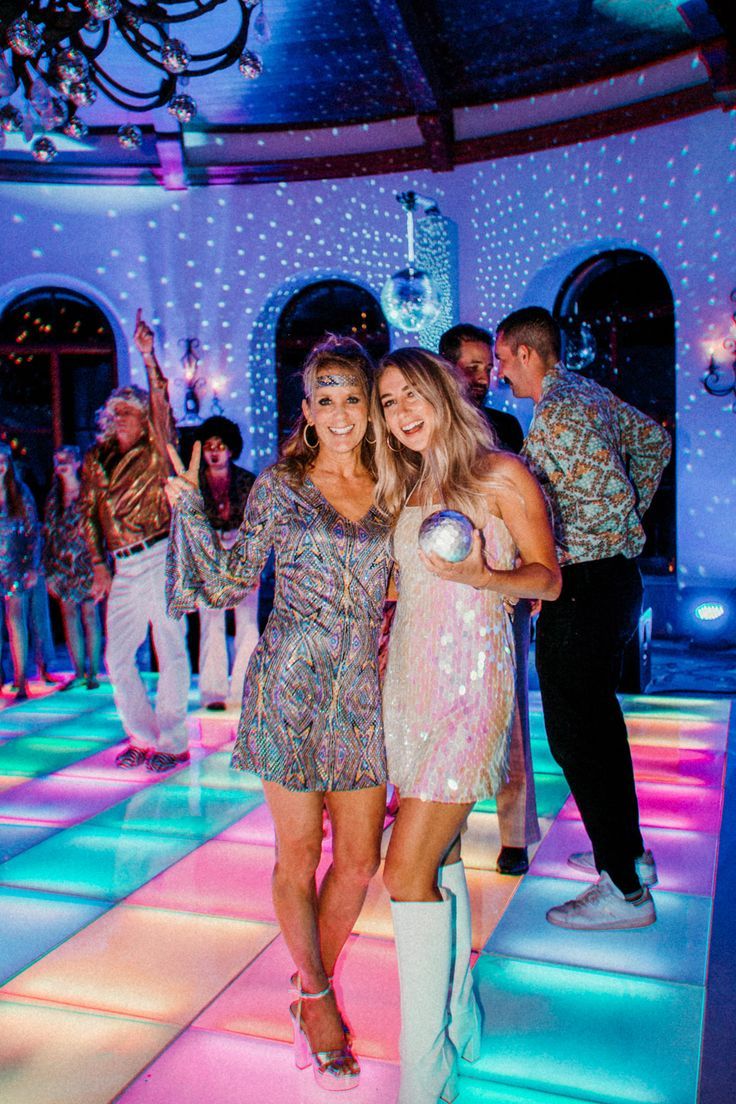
57	367
617	311
328	306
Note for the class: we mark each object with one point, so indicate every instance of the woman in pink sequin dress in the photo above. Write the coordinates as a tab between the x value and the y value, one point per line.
448	695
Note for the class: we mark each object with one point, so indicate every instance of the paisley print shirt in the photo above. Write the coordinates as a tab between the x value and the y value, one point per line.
599	462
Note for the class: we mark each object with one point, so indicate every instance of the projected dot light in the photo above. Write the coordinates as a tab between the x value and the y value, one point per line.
221	263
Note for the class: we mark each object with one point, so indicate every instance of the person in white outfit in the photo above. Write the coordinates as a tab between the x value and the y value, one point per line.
126	515
225	487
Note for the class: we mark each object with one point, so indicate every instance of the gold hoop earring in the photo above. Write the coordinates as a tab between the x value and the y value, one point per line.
307	426
390	446
366	438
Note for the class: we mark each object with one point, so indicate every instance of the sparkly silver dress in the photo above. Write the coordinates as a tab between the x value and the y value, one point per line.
311	717
448	696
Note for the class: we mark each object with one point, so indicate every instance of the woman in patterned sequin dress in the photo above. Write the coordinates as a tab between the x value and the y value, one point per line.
311	723
68	568
449	686
19	551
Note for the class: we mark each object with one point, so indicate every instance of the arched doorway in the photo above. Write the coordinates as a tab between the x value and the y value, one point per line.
57	367
327	306
622	300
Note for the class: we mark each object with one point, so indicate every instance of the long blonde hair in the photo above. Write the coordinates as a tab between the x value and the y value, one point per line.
455	467
339	355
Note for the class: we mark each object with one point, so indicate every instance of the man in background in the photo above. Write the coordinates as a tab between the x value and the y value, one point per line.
599	462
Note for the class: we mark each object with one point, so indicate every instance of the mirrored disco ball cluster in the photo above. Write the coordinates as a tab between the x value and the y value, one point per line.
447	533
53	60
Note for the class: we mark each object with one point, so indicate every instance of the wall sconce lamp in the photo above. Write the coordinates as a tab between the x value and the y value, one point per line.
712	380
192	383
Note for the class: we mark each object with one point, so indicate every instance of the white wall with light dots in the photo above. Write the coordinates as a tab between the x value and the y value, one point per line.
220	263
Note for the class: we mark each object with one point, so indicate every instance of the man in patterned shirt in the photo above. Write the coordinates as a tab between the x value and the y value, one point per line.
599	462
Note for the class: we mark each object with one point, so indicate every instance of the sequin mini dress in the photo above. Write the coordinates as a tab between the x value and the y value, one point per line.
449	688
311	717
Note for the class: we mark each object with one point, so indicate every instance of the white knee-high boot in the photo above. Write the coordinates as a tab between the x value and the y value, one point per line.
423	933
465	1015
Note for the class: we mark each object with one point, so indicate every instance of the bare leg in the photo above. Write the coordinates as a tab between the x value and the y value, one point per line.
92	636
424	833
298	822
357	823
70	616
16	611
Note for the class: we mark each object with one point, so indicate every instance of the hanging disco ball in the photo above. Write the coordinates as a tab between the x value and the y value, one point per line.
130	136
75	128
580	347
250	65
83	93
10	118
71	65
409	300
24	37
182	107
43	149
174	56
102	9
447	533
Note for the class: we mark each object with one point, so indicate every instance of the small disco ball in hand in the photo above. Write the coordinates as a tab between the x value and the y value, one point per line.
447	533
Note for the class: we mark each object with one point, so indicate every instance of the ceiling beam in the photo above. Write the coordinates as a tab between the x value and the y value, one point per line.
712	23
409	43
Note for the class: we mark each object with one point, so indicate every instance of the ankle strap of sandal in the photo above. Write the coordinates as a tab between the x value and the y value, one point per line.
315	996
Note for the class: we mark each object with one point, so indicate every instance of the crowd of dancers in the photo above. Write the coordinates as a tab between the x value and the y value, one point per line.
335	704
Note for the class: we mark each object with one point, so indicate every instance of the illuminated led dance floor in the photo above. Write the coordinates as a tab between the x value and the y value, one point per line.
140	959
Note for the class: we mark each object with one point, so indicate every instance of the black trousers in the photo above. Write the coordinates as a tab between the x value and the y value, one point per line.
580	644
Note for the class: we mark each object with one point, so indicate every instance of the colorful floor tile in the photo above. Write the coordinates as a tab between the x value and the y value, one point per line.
144	965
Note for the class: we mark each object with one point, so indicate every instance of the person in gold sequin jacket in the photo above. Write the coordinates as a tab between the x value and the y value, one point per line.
126	515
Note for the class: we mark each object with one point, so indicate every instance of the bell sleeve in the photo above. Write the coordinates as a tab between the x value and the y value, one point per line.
200	571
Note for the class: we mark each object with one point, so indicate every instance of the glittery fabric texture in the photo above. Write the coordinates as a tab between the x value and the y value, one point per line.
449	688
311	717
65	557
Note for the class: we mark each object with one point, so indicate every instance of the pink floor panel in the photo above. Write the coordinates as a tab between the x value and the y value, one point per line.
257	1001
204	1067
694	808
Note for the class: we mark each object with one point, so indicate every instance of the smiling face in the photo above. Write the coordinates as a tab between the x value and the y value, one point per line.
338	410
409	416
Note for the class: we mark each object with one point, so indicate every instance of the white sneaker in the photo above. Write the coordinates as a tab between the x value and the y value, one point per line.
603	907
646	867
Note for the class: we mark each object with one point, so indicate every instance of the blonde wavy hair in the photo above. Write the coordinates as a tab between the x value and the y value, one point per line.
132	395
335	355
455	468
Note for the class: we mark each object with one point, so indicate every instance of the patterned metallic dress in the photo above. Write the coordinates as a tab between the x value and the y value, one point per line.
311	717
449	689
65	557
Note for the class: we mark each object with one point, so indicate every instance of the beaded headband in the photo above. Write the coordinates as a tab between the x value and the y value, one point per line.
337	379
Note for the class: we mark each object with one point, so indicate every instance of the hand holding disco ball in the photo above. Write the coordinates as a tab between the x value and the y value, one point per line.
450	548
448	534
